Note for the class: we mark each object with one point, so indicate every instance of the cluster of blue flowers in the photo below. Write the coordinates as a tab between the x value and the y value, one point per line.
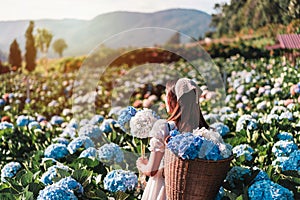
189	146
9	170
125	116
91	131
266	189
220	128
248	121
243	149
34	125
120	180
284	148
82	141
56	120
51	173
22	120
285	136
106	125
61	190
6	125
96	119
52	192
293	162
56	151
110	153
90	152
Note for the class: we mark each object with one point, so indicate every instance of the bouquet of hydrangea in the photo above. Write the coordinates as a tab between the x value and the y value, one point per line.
120	180
141	124
202	143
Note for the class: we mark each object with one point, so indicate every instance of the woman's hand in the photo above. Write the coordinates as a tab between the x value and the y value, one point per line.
141	163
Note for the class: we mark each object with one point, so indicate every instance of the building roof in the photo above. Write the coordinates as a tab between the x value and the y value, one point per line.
289	41
286	41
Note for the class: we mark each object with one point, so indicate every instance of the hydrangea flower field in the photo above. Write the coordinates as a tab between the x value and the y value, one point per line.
48	153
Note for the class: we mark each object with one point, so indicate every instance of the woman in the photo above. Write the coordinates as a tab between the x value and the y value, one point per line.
182	103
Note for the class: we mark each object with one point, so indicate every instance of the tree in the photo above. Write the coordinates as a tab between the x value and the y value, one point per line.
59	46
30	54
43	39
15	58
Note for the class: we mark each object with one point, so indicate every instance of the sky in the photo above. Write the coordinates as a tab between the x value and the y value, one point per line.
88	9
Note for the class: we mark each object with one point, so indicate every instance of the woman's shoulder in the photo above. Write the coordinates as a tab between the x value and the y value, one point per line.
161	128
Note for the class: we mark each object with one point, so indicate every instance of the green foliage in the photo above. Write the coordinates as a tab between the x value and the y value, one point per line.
253	14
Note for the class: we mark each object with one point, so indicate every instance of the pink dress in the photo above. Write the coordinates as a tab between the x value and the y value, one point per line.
155	188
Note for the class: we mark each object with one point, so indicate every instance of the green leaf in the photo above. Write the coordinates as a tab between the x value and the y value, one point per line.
35	188
121	195
82	175
26	178
239	197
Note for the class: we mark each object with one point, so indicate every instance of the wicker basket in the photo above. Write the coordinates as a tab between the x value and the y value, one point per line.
193	179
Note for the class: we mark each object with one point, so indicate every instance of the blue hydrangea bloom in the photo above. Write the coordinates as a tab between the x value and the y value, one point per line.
2	102
106	125
84	122
279	161
51	173
236	173
34	125
70	184
261	175
22	120
126	115
220	128
55	192
173	133
90	152
73	124
9	170
56	151
69	132
40	118
220	194
120	180
96	119
110	153
6	125
286	115
293	162
243	149
61	140
284	148
252	125
82	141
56	120
91	131
266	190
285	136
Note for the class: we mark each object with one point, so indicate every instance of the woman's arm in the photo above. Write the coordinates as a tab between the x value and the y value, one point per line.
150	168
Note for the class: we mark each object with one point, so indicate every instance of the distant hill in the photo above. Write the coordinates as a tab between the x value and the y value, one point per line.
82	36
